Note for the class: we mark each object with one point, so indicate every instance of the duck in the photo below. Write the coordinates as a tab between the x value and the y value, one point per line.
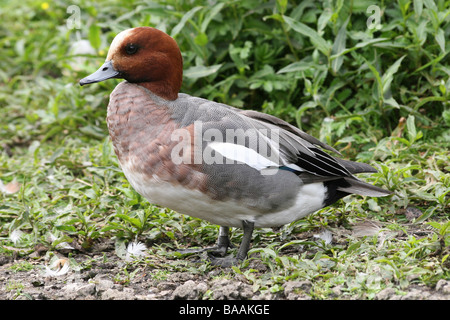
233	167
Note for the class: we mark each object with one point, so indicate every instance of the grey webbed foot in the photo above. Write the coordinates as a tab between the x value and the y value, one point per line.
216	254
223	243
230	261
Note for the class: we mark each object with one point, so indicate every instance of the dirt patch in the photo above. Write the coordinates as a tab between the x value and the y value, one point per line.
104	277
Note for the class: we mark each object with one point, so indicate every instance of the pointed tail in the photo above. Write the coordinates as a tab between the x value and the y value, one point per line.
362	188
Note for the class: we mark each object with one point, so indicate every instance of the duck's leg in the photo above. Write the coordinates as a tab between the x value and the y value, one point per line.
223	243
243	248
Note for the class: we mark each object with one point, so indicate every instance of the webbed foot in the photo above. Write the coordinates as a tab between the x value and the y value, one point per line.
223	243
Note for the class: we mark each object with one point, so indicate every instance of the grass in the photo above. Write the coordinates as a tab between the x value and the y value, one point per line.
378	95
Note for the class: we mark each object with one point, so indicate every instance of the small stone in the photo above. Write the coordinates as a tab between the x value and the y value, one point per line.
165	285
185	291
386	294
103	285
201	288
86	290
295	287
114	294
443	286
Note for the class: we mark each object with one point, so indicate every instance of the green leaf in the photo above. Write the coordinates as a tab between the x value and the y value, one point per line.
297	66
389	74
440	39
377	78
282	5
135	222
413	135
305	106
211	14
392	102
130	193
446	117
323	19
339	46
120	248
93	131
430	5
59	152
201	39
353	247
196	72
432	62
68	228
188	15
314	37
418	7
358	46
239	54
94	36
411	127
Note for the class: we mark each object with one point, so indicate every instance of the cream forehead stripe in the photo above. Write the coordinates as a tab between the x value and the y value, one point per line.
116	43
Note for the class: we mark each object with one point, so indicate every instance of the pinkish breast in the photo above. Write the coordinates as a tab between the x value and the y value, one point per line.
141	130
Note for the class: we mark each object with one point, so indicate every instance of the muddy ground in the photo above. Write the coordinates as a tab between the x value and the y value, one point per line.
24	278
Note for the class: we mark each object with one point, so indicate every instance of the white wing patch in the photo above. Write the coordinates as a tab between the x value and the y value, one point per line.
242	154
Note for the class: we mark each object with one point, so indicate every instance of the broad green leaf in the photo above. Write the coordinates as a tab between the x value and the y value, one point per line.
305	106
300	66
389	74
440	39
188	15
392	102
135	222
413	135
430	5
201	39
239	54
353	247
282	5
94	36
323	19
446	116
314	37
377	78
197	49
201	71
359	45
418	7
339	46
210	15
66	227
421	32
93	131
59	152
411	128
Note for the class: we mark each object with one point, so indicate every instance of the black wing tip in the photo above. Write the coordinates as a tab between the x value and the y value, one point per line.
356	167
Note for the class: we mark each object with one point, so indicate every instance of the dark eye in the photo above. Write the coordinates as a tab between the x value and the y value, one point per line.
131	48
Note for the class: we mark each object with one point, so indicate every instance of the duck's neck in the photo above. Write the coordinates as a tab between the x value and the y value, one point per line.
162	91
165	88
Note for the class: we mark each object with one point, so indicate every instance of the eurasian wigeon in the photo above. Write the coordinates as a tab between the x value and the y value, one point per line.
231	167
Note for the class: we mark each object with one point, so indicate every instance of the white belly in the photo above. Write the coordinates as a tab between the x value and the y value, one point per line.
224	213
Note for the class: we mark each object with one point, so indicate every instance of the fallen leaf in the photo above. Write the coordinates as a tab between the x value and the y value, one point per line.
366	228
10	188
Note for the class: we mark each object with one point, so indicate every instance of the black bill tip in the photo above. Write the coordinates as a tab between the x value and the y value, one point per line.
106	71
